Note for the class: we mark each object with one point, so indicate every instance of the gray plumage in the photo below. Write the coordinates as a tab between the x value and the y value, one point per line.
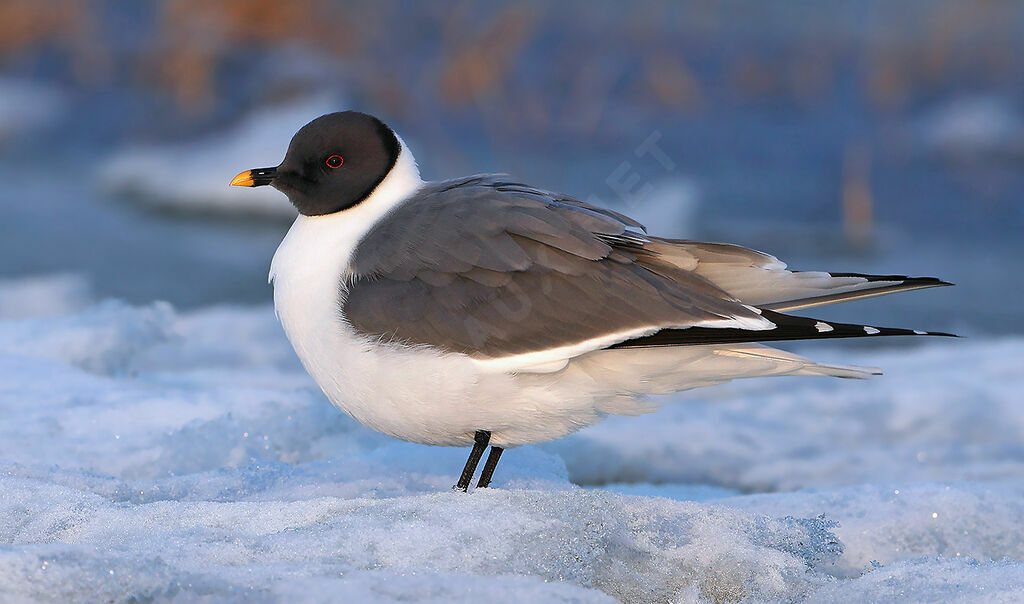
491	268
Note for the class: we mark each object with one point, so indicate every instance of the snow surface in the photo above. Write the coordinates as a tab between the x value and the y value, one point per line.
43	295
147	454
151	175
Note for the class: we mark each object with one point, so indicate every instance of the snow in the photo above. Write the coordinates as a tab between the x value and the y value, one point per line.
150	175
43	295
932	580
148	453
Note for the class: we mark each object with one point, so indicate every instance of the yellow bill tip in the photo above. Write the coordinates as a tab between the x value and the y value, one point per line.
244	179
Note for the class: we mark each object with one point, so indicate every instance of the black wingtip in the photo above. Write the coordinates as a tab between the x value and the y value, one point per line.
930	281
787	327
793	323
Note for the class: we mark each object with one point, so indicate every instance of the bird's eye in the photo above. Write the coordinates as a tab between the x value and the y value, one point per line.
335	161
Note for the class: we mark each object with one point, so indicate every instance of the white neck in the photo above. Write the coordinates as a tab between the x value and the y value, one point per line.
311	264
323	245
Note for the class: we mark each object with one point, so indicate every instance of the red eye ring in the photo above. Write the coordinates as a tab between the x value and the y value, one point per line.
335	161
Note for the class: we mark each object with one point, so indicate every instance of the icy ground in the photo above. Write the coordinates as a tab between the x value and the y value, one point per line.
149	454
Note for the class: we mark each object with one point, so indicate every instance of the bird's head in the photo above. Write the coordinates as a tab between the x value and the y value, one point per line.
332	163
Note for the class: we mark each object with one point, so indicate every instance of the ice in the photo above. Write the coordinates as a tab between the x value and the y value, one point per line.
902	522
151	454
150	175
682	492
932	580
43	295
634	549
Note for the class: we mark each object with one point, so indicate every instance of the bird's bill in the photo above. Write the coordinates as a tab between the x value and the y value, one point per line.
254	178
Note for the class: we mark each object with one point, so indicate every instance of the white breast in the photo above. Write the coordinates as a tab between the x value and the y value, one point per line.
309	272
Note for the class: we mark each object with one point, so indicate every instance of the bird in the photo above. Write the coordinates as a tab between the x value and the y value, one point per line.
481	311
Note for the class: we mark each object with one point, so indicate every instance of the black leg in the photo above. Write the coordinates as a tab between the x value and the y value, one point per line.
481	438
489	465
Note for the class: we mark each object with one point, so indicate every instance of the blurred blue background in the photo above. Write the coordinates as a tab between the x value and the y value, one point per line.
862	136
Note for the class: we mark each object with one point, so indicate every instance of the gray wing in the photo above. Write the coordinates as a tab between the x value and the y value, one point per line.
492	269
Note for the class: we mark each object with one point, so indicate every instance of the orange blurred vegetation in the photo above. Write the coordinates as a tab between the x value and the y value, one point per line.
196	36
480	49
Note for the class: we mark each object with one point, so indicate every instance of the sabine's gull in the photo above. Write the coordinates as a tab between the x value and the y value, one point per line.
482	311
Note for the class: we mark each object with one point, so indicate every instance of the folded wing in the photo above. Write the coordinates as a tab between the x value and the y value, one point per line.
496	269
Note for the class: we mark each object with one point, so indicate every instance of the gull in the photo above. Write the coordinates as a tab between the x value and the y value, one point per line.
482	311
